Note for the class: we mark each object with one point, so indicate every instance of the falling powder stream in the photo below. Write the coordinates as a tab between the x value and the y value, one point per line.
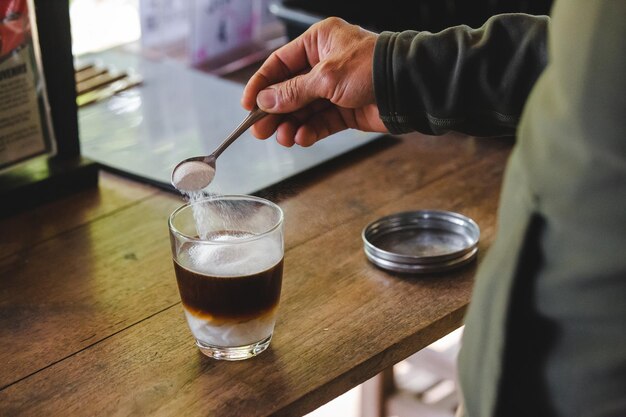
201	213
211	218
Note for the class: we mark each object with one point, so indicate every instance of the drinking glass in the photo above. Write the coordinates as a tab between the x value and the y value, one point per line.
228	259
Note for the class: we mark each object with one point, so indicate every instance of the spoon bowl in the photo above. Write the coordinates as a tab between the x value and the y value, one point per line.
197	172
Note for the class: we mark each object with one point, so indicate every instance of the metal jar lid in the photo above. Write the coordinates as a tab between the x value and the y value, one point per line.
421	241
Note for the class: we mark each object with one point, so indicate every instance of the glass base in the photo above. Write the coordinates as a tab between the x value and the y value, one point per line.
234	353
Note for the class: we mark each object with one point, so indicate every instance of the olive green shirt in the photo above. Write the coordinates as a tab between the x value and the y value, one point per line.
546	328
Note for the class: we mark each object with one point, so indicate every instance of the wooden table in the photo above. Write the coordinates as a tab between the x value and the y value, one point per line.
90	317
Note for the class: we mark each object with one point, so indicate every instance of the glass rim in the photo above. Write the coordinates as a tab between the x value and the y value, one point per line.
188	204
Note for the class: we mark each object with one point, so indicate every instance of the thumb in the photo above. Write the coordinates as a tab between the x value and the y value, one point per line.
288	96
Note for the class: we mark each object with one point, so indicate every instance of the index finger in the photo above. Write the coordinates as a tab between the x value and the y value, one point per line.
287	61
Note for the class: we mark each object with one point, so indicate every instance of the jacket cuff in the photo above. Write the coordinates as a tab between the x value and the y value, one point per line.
385	85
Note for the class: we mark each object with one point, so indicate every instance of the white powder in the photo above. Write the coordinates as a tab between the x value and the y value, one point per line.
193	176
203	215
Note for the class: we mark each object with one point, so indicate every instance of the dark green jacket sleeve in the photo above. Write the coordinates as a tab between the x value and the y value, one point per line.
473	81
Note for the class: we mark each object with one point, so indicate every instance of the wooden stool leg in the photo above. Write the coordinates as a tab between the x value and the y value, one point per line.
375	392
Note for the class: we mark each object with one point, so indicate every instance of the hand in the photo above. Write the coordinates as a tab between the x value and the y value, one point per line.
316	85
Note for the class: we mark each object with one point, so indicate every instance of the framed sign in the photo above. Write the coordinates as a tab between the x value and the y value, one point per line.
27	179
25	126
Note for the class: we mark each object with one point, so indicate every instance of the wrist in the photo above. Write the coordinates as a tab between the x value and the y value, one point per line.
384	82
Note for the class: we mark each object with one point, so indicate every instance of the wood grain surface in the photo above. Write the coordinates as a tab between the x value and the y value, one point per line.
30	227
91	321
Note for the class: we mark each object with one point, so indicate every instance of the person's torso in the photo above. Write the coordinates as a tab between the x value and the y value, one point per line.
546	331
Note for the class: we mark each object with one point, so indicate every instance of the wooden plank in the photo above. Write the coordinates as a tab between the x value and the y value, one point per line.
79	287
44	289
27	229
341	322
370	177
98	81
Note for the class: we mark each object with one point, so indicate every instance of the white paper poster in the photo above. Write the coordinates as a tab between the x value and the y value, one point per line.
204	30
24	119
218	27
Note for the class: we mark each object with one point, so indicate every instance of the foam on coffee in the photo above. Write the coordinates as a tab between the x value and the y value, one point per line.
233	260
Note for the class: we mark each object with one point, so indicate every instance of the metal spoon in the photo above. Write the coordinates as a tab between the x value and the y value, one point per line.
197	172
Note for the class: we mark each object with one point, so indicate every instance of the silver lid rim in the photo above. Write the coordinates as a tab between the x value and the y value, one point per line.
452	222
423	268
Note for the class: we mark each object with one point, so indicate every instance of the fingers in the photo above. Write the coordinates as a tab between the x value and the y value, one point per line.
281	65
271	123
290	95
309	125
291	82
266	127
319	126
286	132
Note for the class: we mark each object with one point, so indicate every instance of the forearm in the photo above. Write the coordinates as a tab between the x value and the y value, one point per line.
473	81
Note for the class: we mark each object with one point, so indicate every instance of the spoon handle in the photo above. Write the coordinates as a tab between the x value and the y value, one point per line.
254	116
